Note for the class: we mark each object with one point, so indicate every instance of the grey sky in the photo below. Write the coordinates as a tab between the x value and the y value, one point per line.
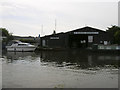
25	17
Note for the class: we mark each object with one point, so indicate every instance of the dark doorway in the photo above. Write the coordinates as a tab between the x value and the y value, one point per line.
78	41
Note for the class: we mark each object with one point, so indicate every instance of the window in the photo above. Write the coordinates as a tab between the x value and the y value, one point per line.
101	41
22	44
83	41
43	43
90	39
105	42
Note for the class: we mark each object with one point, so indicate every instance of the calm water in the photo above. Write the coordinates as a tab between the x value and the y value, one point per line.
63	69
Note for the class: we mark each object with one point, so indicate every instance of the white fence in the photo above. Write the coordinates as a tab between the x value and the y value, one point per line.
109	47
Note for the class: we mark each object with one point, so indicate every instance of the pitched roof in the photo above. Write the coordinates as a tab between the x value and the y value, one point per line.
84	29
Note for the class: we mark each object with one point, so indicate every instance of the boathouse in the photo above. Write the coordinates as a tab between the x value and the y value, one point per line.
79	38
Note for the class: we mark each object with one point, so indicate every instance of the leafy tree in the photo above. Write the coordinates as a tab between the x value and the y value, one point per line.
114	32
117	37
6	34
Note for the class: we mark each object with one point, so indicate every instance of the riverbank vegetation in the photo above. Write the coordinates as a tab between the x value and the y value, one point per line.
27	41
114	31
6	36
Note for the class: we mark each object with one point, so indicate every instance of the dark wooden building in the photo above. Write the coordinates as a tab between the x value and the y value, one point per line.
79	38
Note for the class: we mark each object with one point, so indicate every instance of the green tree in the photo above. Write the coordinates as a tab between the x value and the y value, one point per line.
6	34
114	32
117	37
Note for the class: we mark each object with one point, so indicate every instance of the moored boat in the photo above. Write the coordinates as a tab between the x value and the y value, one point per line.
20	46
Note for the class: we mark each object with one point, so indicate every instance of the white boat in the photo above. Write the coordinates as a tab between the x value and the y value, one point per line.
20	46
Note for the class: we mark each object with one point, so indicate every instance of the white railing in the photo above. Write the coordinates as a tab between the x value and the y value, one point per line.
109	47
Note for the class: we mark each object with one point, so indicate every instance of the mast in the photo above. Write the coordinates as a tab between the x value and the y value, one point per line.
41	29
55	24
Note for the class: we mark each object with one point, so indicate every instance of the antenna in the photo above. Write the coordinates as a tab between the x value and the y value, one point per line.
55	24
41	29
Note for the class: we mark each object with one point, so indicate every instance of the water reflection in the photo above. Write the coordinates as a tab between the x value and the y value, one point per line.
71	59
81	59
12	57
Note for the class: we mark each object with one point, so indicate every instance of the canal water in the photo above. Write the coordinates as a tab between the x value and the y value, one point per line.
60	69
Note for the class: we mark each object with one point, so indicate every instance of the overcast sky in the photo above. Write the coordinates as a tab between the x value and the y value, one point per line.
26	17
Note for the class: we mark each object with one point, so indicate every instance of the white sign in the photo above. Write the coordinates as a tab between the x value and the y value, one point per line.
54	37
86	32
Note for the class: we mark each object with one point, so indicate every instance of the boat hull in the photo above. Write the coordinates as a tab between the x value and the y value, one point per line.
20	49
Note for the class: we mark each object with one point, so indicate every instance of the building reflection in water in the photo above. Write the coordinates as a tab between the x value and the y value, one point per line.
81	59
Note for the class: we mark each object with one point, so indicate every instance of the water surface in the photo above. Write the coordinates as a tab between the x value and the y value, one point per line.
60	69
